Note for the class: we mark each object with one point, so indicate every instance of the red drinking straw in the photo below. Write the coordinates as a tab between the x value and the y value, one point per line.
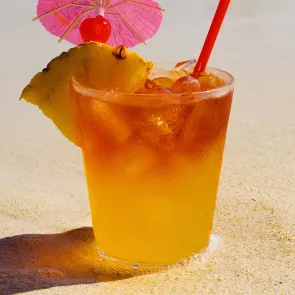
211	36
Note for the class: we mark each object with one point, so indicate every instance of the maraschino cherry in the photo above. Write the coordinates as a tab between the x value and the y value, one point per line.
95	29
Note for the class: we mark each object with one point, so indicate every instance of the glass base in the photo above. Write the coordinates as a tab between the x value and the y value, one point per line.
119	269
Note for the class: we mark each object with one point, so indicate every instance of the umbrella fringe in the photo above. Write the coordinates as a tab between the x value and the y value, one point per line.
107	6
110	13
147	5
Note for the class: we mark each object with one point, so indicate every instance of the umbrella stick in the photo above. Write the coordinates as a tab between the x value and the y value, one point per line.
110	13
82	5
134	2
131	28
73	24
106	3
117	4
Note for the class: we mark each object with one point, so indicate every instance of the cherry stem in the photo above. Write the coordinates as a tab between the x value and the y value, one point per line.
100	11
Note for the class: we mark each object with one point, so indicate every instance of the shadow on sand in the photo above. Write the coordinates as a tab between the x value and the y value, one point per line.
33	262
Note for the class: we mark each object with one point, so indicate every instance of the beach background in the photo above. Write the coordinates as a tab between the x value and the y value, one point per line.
45	233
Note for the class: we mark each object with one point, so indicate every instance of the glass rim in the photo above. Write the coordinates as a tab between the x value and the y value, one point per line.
198	95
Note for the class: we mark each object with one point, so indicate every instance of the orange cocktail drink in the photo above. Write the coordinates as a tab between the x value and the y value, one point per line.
152	161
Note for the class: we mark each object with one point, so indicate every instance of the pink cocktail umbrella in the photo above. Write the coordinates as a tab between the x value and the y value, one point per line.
132	21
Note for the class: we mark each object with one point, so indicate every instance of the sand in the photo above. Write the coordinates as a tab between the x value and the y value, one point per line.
45	234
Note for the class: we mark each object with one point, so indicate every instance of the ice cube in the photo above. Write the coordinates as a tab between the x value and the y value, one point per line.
161	126
142	90
159	90
209	81
172	74
187	65
176	74
109	120
149	84
193	127
134	160
163	82
186	84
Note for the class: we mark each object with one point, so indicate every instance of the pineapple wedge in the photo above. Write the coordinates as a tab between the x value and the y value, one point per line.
106	67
